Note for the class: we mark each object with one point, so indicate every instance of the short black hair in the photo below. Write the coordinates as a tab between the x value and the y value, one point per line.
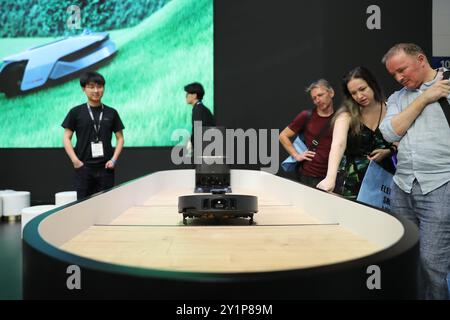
196	88
91	76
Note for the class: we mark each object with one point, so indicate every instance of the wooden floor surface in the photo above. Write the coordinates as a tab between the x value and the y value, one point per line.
282	237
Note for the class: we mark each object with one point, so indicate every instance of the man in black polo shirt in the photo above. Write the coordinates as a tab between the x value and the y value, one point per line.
93	122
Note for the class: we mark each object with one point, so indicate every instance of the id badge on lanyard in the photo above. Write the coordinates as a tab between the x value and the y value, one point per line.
97	145
97	149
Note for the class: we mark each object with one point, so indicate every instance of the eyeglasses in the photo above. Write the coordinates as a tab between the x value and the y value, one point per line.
93	87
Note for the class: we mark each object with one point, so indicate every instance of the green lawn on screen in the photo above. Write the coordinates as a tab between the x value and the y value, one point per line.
144	81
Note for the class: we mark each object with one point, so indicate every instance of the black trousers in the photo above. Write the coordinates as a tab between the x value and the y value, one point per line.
90	180
308	180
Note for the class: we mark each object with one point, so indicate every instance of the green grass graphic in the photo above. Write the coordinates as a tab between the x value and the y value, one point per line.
144	81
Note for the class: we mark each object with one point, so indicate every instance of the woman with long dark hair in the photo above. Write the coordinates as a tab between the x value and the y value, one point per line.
356	137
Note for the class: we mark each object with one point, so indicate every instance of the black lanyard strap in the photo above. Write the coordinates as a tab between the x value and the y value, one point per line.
96	127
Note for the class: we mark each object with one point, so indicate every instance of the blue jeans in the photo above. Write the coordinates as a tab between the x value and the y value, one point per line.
431	213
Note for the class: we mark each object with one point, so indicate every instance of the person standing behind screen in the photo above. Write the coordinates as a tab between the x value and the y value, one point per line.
194	96
356	137
421	189
93	122
315	125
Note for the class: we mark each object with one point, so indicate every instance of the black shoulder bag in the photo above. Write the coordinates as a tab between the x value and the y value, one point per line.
444	102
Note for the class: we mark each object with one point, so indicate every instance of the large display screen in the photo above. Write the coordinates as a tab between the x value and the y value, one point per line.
147	50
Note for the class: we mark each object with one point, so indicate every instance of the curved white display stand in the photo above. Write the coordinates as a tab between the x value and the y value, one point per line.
135	229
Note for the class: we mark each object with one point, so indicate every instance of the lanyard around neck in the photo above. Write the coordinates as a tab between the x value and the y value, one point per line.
96	127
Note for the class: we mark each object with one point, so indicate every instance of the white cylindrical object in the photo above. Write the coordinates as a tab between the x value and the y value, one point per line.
2	192
29	213
65	197
14	202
